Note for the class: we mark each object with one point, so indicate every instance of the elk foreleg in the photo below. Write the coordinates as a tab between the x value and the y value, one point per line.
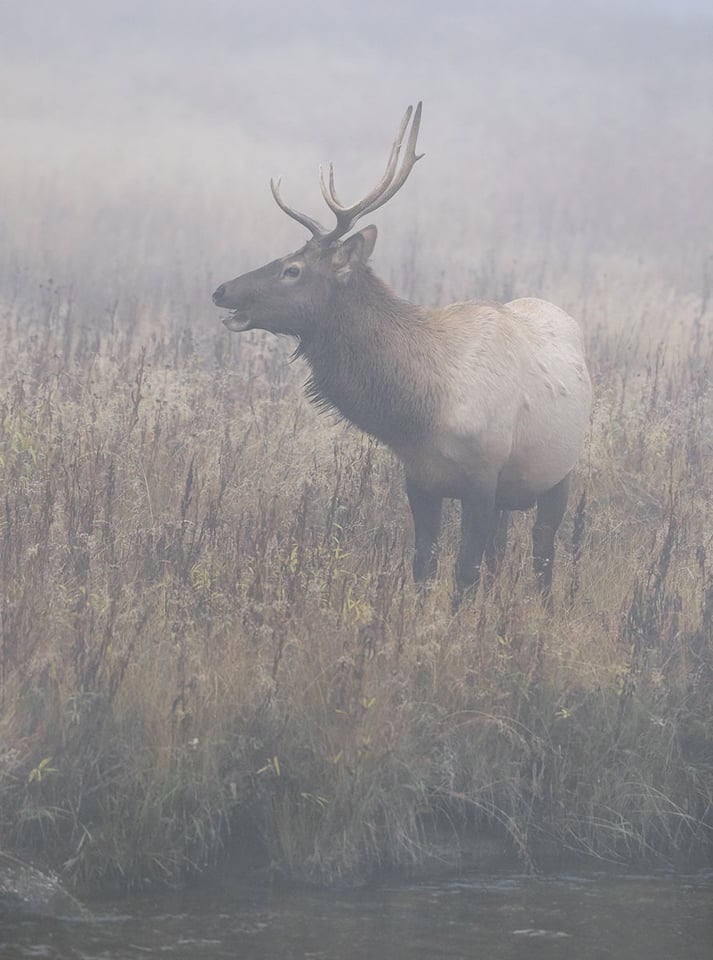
426	511
479	525
495	547
551	507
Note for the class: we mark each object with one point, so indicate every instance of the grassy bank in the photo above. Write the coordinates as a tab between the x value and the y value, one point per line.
210	644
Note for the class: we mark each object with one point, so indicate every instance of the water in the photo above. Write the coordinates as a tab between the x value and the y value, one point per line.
577	917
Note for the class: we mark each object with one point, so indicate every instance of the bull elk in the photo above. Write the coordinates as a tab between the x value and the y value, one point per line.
484	402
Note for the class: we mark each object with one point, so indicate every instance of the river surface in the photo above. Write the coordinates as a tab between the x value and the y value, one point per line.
574	916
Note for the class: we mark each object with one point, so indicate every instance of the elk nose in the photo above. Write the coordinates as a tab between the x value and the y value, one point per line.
219	293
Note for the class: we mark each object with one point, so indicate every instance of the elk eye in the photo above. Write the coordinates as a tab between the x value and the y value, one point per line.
292	272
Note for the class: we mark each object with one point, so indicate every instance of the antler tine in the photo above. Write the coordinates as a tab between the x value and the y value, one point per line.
332	191
331	197
387	186
410	159
315	228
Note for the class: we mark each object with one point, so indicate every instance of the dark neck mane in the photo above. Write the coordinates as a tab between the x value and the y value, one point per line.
369	360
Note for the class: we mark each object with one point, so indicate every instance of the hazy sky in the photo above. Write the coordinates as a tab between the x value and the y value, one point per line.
125	119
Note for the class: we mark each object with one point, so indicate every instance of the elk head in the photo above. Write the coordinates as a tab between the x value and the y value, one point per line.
287	294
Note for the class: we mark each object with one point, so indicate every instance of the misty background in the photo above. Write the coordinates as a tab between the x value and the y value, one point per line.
566	144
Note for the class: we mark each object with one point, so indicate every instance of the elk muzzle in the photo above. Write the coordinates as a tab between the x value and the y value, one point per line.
218	295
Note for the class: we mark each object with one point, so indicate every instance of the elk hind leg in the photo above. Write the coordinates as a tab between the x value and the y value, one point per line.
426	512
551	507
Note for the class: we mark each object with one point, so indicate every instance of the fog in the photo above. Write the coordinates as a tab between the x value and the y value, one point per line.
139	139
204	579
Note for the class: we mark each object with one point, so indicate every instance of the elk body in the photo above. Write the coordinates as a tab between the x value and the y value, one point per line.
483	402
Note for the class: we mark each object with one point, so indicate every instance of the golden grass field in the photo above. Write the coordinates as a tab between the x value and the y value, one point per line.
211	645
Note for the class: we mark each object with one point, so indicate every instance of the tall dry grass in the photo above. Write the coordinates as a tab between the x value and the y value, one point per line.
210	644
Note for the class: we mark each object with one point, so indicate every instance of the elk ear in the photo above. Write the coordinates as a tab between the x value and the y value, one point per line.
355	250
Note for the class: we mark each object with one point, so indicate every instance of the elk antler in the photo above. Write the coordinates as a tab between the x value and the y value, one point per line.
390	183
315	228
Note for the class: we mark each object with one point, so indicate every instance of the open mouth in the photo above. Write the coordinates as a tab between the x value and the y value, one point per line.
237	322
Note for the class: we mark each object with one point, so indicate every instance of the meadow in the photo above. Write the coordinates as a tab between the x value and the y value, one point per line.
211	647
